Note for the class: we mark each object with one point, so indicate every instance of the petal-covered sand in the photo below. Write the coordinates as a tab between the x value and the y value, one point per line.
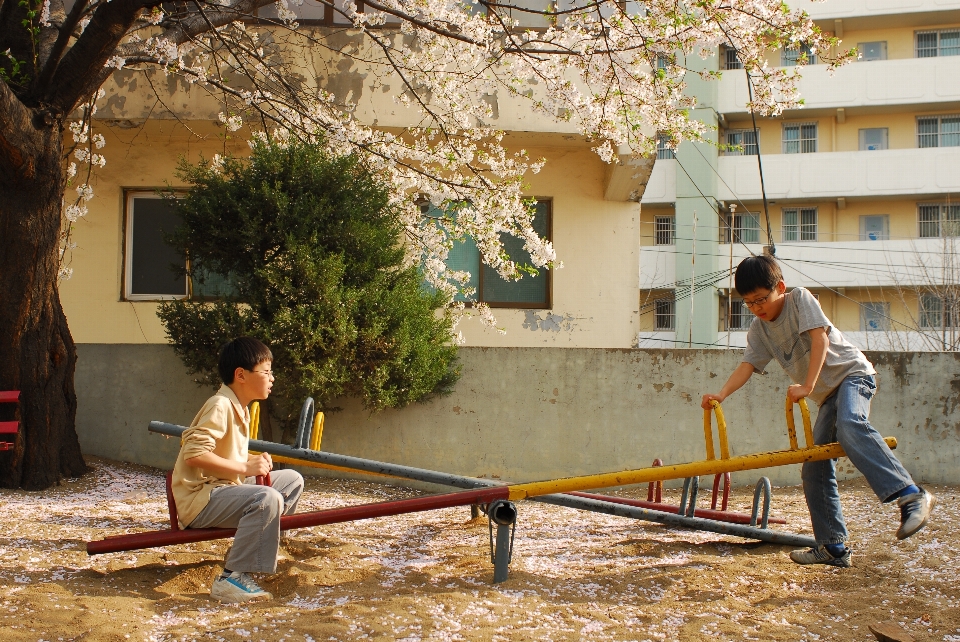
574	576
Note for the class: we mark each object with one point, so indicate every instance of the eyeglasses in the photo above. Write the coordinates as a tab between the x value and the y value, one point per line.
758	302
268	373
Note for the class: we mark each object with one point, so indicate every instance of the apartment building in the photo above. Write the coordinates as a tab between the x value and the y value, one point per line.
862	187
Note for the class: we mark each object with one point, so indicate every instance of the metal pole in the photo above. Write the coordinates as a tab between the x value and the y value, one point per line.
459	481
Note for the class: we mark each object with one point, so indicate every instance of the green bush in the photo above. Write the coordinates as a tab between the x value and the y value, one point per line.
312	249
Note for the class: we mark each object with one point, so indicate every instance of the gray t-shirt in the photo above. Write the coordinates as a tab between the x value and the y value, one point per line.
786	339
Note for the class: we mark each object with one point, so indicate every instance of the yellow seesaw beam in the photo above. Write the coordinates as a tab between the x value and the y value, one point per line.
710	466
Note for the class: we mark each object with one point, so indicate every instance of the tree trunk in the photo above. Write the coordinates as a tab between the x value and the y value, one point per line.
37	353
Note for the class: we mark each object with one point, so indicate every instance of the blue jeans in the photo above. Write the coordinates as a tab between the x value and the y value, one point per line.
844	417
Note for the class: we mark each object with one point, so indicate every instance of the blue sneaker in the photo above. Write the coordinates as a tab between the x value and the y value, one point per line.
237	587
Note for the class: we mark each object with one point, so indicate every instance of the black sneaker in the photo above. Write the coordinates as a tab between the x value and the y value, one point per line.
915	510
820	555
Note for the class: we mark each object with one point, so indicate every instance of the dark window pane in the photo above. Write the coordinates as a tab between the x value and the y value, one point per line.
152	257
530	289
464	256
210	285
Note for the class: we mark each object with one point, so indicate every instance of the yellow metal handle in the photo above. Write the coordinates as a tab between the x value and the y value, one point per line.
254	419
317	433
792	426
721	431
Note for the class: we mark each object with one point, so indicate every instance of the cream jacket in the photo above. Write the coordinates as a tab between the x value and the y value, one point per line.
223	427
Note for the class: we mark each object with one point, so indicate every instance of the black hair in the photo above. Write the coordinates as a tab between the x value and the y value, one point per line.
242	352
757	273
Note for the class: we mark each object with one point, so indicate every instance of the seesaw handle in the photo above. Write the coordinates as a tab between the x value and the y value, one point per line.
721	431
792	426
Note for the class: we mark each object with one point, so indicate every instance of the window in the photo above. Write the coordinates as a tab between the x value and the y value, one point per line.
746	228
945	42
799	224
665	314
938	219
730	59
740	316
873	139
665	230
874	317
664	151
938	131
791	57
935	312
743	142
799	138
875	227
872	50
149	262
490	288
663	63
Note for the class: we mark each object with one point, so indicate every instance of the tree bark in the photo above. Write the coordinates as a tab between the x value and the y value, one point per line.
37	353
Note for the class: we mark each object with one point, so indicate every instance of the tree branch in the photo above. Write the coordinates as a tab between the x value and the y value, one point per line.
63	37
79	73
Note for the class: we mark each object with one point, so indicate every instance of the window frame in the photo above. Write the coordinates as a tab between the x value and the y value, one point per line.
799	125
885	235
884	313
671	315
671	219
786	55
925	311
938	48
742	133
129	194
939	118
728	64
862	138
663	151
730	312
883	50
943	209
799	225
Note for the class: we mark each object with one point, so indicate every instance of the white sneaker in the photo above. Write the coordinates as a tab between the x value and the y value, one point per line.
237	587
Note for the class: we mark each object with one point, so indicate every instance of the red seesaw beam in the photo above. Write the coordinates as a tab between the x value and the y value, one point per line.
705	513
150	539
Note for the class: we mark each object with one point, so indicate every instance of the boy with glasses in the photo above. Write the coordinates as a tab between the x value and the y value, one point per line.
214	480
792	328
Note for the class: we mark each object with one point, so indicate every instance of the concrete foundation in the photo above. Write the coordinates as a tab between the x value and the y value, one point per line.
526	414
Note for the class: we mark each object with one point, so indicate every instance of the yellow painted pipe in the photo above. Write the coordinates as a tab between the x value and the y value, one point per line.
792	426
681	471
317	433
313	464
254	419
721	431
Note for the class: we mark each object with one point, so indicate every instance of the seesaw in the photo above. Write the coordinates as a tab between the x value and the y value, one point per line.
499	497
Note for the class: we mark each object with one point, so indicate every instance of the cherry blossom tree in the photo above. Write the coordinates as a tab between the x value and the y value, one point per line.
611	70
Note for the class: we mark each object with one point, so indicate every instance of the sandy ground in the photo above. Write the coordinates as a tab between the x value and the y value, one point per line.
575	576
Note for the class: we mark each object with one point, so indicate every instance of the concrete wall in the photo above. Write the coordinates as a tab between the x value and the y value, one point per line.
537	413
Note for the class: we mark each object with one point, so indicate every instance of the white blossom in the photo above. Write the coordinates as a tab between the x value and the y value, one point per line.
45	14
233	121
116	62
85	192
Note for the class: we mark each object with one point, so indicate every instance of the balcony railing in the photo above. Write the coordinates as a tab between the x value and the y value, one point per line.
909	81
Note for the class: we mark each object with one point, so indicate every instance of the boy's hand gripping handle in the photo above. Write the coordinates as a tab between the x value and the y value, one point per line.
721	431
792	426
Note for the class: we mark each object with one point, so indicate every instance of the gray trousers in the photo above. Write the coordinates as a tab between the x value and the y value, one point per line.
255	512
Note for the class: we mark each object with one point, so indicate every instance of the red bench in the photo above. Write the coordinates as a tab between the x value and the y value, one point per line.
9	427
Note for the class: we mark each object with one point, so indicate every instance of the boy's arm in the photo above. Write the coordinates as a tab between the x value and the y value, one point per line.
818	354
211	462
739	377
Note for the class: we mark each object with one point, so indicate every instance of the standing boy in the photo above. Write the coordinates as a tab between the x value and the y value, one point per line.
791	328
214	480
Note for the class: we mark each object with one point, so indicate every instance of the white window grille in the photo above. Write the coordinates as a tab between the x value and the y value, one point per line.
943	42
799	224
799	138
664	151
665	314
730	59
745	228
665	230
740	316
938	131
938	312
874	317
743	142
792	56
938	219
